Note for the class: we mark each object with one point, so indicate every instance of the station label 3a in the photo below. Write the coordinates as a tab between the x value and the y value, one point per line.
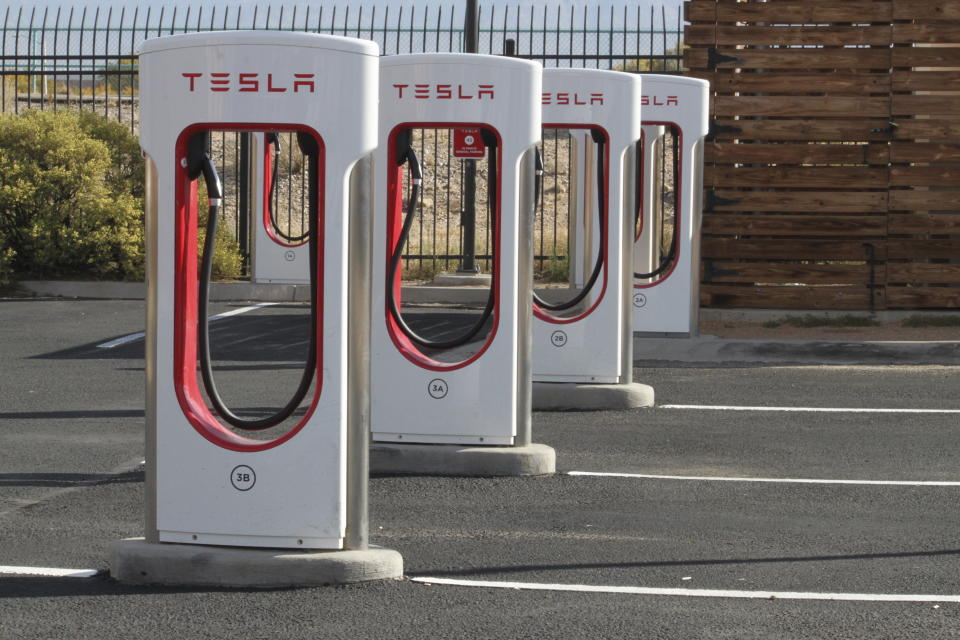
437	388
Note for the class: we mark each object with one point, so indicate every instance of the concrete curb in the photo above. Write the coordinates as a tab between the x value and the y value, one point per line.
764	315
233	291
461	280
573	396
461	460
135	561
67	289
219	291
445	291
707	349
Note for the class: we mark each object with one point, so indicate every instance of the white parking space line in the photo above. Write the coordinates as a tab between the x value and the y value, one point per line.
694	593
699	407
236	312
650	476
116	342
47	572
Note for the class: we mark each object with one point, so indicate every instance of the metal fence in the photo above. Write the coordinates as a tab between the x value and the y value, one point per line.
85	58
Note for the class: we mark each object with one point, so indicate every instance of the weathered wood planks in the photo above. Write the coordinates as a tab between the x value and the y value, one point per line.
833	173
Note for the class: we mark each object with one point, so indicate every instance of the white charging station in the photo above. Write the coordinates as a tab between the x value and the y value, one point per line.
207	483
668	302
277	256
481	395
583	338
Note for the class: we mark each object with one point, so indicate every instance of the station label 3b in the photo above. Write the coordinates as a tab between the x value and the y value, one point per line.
243	478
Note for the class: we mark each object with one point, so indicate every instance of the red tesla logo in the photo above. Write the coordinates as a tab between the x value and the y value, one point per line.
444	91
251	82
659	101
574	98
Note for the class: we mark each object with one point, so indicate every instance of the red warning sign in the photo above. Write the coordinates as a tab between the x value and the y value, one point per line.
468	143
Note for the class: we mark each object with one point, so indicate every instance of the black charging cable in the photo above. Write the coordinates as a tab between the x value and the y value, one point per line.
406	155
667	260
199	163
600	140
272	138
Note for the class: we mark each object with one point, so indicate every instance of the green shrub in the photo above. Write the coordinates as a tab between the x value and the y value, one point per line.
931	321
126	171
420	270
227	263
811	321
557	269
71	197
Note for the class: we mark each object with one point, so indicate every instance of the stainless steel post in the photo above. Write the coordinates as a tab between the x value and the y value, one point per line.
358	353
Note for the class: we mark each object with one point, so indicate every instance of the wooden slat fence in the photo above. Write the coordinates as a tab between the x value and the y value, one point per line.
833	169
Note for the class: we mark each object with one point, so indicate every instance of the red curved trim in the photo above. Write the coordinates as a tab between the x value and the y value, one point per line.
267	185
678	204
395	222
543	314
185	383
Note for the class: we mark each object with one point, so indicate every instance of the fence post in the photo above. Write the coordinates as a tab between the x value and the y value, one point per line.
243	201
471	36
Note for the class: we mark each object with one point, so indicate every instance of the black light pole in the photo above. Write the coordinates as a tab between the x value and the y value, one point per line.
471	36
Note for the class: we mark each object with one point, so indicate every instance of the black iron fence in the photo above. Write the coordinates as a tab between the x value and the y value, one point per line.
86	58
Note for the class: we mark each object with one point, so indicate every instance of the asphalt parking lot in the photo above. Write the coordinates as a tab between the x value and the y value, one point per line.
756	500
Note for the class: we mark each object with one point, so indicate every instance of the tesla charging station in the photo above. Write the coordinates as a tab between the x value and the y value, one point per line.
582	341
210	481
471	393
281	252
666	286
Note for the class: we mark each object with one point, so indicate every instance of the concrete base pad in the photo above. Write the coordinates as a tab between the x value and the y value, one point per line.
577	396
461	460
135	561
461	280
